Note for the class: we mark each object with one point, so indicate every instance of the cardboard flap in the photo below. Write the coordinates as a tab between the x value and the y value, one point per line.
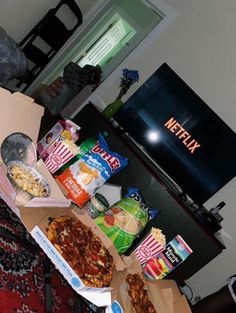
23	97
19	113
29	216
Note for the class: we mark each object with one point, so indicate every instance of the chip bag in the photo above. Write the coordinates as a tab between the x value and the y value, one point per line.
82	179
124	220
136	195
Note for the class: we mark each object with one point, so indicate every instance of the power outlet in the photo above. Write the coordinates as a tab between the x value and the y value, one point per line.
190	293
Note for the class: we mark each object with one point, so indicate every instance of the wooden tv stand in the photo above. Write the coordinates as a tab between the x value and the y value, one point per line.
175	217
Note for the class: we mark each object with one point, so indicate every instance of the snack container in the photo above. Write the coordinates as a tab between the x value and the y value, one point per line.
63	151
97	204
27	178
148	248
49	138
175	252
64	129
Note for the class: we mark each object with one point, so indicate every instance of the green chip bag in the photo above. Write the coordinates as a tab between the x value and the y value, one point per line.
123	222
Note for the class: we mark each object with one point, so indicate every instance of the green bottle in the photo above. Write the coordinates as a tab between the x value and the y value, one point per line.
112	108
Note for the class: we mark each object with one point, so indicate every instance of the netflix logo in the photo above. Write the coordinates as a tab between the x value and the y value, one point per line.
187	139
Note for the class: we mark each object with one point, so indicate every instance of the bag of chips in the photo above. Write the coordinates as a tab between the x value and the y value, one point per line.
134	193
125	220
82	179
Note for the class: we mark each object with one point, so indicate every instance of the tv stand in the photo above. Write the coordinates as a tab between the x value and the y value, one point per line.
177	216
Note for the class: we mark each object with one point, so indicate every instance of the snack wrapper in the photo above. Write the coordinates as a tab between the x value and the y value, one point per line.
134	193
123	221
154	243
82	179
175	252
63	151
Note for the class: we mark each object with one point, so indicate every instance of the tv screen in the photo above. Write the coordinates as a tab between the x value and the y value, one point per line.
177	129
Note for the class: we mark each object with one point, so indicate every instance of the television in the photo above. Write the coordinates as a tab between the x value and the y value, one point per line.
181	134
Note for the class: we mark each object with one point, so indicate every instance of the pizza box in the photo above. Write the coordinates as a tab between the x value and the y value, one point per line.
20	114
36	220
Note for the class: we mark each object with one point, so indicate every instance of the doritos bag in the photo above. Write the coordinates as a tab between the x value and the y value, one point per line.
125	219
91	171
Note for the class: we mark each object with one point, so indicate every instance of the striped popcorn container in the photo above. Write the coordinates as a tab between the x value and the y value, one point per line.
60	155
150	246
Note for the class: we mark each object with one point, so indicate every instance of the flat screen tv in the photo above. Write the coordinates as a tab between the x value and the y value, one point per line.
177	129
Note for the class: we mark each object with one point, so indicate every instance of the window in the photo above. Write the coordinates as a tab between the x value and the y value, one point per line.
117	34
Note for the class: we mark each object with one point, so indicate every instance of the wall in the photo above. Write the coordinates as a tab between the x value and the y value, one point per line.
18	17
199	45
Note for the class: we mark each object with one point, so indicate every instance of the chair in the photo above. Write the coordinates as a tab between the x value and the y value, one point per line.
52	31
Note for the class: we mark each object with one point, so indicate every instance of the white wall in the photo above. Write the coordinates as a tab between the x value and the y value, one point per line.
201	47
18	17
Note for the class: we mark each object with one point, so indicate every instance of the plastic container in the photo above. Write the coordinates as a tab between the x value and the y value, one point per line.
97	204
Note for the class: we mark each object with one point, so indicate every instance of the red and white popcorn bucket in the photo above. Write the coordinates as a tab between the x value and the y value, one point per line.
148	248
59	156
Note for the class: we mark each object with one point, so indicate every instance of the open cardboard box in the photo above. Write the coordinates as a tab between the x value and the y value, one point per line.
37	220
19	113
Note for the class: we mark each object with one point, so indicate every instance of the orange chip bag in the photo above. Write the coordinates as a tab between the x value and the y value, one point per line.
91	171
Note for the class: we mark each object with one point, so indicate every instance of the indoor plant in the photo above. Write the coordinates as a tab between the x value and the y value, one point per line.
128	78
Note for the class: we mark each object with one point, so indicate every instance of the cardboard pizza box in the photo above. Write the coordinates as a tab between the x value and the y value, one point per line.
36	220
19	113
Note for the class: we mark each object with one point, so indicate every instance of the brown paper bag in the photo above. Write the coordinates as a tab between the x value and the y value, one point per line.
162	299
164	294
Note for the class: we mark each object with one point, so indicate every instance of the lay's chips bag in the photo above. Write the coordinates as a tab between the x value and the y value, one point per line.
82	179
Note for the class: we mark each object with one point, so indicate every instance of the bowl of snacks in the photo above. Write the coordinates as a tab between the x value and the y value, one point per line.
27	178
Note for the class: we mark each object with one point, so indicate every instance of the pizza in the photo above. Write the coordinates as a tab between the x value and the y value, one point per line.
82	250
139	295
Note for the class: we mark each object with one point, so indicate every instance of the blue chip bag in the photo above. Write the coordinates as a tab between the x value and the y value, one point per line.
82	179
135	194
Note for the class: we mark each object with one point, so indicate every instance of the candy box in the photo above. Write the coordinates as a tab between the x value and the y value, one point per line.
65	129
152	244
63	150
175	252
